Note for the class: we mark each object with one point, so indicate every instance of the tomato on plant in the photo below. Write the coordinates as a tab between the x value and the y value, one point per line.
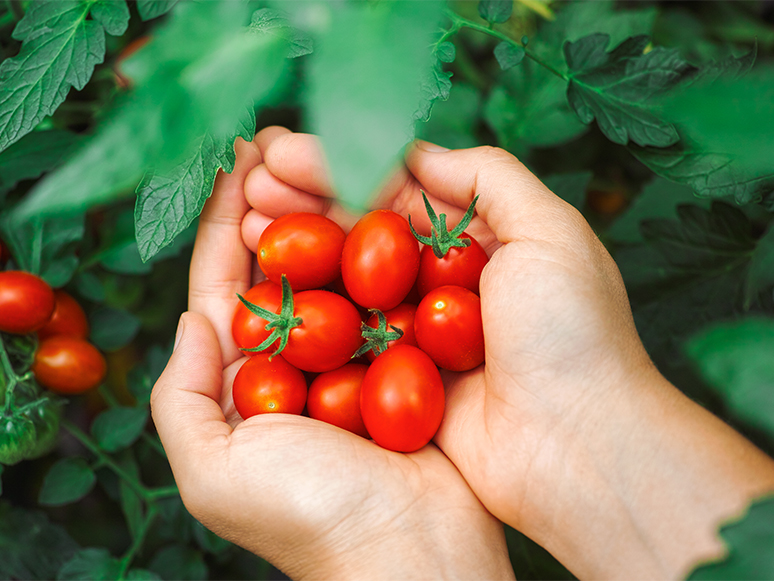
448	328
305	247
402	399
249	329
268	386
380	260
334	398
68	365
68	318
401	317
26	302
461	266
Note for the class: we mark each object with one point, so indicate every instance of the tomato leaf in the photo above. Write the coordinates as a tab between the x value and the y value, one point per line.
142	377
33	155
179	562
495	11
112	328
131	504
446	52
271	22
150	9
67	481
571	187
454	122
95	564
119	427
142	575
508	55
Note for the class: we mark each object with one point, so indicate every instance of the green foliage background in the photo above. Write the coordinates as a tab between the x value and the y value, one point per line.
655	119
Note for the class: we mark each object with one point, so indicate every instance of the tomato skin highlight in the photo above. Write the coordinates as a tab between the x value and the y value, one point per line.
262	386
26	302
401	317
248	329
380	260
68	318
402	399
449	329
334	398
319	240
68	365
461	266
329	334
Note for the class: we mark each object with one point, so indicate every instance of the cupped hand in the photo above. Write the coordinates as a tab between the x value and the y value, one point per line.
314	500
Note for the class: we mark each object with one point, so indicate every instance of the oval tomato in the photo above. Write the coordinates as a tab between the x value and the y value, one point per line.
402	399
68	318
262	386
248	329
305	247
26	302
448	328
461	266
380	260
334	398
401	317
68	365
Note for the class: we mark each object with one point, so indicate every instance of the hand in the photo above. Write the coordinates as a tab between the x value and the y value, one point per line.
314	500
568	432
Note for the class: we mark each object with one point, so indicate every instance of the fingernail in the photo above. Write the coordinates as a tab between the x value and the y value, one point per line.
179	333
430	147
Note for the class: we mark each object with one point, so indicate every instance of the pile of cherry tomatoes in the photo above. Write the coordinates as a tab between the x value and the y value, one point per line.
377	377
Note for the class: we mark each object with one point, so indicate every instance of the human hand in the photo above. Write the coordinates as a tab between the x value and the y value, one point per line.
567	432
314	500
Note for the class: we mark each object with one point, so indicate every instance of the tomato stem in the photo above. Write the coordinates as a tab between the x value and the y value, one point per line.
377	339
279	324
442	239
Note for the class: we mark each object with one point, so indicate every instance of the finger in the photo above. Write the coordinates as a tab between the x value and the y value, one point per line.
221	263
273	197
266	136
253	225
297	159
185	400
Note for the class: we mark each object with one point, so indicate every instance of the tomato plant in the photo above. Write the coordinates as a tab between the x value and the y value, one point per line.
319	240
448	328
401	317
334	397
248	329
26	302
402	399
68	365
68	318
266	384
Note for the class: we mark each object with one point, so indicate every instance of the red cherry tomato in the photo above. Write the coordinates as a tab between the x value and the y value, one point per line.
68	365
401	317
305	247
26	302
329	334
448	328
461	266
248	329
402	399
334	397
68	318
380	260
262	386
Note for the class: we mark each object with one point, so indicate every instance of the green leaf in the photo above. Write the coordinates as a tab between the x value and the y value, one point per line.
454	121
119	427
142	575
616	87
571	187
92	564
89	286
34	154
365	88
434	87
508	55
495	11
749	541
113	15
179	562
68	480
446	52
150	9
143	377
268	21
209	541
131	504
17	439
761	275
112	329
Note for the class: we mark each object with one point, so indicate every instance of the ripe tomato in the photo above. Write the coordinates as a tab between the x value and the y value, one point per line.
329	334
461	266
68	318
402	399
305	247
448	328
401	317
26	302
262	386
380	260
68	365
248	329
334	397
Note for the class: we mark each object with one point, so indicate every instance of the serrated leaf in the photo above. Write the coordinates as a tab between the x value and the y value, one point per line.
454	121
435	86
112	328
508	55
179	562
113	15
571	187
495	11
92	564
68	480
150	9
617	88
119	427
269	21
749	540
34	154
446	52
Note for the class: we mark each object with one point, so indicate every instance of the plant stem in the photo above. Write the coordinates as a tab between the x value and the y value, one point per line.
127	559
13	379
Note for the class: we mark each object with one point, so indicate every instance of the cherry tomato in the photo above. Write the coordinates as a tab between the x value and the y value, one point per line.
262	386
401	317
305	247
334	397
68	365
380	260
402	399
26	302
248	329
68	318
329	334
448	328
461	266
